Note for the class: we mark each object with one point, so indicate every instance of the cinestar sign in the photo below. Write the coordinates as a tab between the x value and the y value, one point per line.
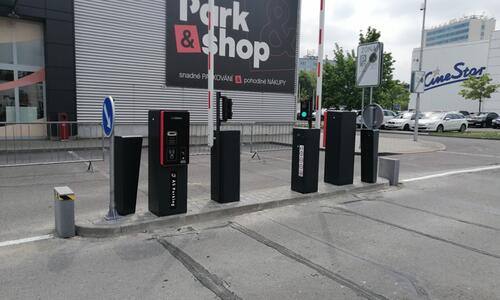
461	72
254	44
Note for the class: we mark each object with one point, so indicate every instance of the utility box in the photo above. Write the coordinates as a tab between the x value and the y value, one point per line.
64	210
127	165
168	161
340	147
305	160
369	155
225	167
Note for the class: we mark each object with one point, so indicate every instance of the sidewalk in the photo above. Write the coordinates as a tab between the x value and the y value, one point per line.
202	209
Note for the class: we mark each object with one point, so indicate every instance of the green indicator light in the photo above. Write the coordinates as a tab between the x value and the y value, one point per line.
304	114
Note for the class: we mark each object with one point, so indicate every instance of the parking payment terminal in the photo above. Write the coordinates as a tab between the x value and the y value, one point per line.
168	161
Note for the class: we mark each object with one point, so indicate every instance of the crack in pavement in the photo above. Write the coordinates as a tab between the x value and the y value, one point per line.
358	289
430	236
207	279
421	291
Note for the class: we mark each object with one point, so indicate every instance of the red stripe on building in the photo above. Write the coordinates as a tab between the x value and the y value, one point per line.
36	77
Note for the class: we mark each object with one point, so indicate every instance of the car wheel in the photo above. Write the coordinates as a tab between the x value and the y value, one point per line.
484	125
463	128
406	128
440	128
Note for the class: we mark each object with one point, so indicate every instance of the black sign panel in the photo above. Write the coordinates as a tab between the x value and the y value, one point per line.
255	42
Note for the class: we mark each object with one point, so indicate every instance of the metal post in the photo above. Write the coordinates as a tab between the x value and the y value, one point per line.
211	74
321	50
417	104
371	95
112	213
362	99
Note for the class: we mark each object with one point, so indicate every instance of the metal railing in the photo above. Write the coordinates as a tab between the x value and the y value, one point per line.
41	143
44	143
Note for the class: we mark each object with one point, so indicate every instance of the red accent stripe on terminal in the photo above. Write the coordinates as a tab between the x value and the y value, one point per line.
162	137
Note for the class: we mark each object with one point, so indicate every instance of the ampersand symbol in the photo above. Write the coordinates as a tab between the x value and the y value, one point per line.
187	41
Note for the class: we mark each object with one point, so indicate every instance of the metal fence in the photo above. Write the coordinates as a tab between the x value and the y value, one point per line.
39	143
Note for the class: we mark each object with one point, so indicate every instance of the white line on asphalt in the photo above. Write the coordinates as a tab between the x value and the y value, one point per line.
457	172
26	240
472	154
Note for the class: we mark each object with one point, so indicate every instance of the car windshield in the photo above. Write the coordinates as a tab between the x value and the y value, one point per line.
433	116
405	116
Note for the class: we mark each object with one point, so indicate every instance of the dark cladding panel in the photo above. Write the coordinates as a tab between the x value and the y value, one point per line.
60	32
58	55
60	5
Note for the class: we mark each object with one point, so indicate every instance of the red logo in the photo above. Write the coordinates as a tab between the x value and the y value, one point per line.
238	79
187	39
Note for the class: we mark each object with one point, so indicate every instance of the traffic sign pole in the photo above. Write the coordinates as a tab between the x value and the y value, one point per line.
417	104
321	50
108	121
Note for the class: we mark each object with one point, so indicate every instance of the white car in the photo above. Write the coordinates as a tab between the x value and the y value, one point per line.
388	115
441	121
401	122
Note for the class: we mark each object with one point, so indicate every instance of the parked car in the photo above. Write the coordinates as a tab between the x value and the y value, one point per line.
401	122
465	113
388	115
440	122
496	123
483	119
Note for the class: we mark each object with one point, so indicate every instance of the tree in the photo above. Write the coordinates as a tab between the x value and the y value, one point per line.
478	88
339	79
307	83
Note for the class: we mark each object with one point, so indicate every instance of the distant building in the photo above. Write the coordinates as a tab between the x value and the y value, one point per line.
309	63
447	66
467	29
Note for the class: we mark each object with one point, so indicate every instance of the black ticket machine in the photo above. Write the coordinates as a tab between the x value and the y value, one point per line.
168	161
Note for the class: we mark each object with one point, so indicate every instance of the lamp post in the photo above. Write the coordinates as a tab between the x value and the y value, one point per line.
417	104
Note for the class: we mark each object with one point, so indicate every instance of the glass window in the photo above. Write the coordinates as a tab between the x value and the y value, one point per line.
29	44
6	45
30	100
7	97
21	77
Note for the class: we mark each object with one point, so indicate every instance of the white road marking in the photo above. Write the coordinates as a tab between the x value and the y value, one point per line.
450	173
26	240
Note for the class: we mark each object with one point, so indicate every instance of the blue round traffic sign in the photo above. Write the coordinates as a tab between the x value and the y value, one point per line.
108	116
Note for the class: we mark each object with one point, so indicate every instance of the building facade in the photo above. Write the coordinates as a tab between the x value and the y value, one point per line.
63	57
468	29
309	63
447	66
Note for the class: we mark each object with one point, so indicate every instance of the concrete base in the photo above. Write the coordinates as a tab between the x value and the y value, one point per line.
250	202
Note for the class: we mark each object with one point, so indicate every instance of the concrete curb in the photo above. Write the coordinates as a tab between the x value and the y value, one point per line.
112	230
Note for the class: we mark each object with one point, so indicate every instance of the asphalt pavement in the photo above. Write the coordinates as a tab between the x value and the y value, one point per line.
433	238
425	240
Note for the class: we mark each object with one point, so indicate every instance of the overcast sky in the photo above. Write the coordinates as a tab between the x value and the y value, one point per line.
400	22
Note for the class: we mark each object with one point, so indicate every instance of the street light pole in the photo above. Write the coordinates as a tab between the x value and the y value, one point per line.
417	106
